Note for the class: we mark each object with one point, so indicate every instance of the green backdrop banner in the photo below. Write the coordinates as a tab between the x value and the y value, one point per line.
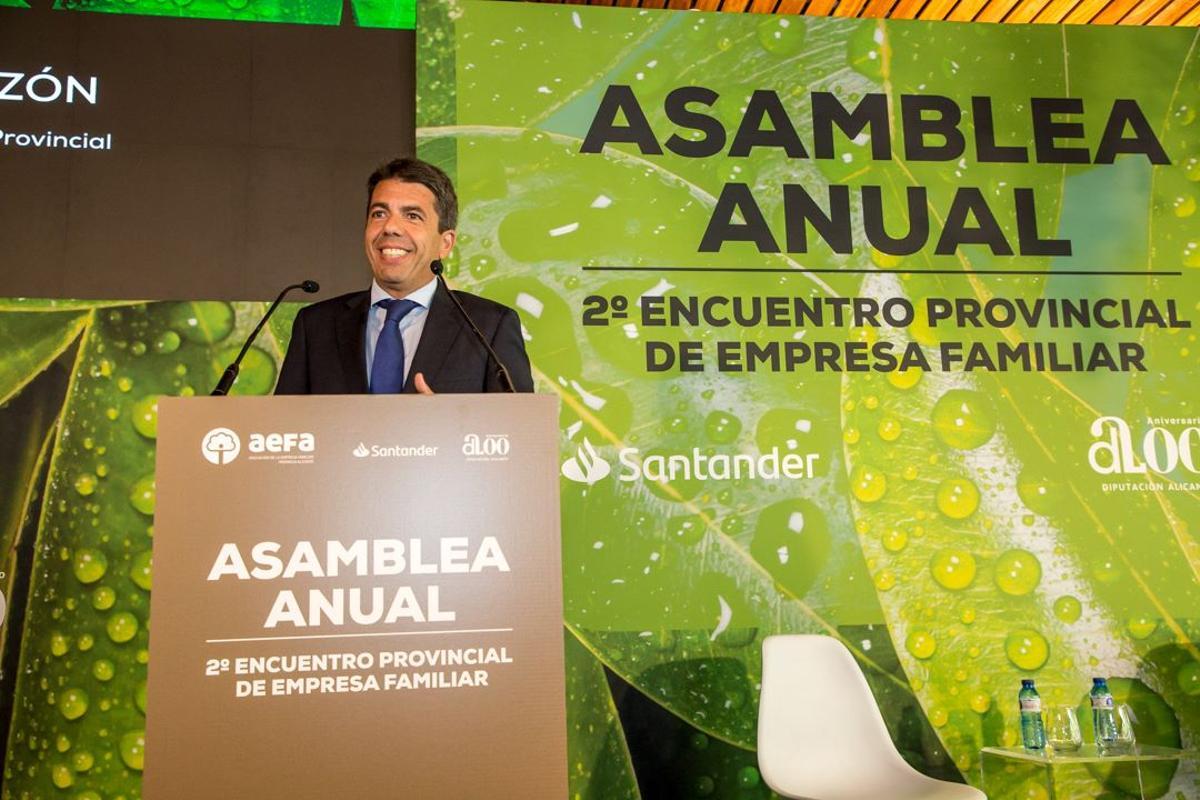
881	330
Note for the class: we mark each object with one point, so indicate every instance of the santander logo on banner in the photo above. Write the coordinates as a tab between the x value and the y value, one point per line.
586	466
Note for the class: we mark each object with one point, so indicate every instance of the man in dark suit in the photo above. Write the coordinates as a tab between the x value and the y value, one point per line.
404	334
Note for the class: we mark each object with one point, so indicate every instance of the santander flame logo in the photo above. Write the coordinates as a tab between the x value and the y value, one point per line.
361	451
586	466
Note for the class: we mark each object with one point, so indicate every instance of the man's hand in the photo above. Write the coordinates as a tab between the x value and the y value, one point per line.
420	385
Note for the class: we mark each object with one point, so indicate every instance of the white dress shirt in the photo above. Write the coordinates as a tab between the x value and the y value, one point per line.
411	325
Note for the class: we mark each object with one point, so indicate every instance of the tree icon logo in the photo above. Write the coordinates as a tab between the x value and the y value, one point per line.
220	446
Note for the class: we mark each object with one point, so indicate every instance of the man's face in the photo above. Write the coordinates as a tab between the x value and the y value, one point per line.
402	236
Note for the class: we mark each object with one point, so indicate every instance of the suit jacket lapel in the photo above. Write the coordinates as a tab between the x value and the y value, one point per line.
441	329
351	347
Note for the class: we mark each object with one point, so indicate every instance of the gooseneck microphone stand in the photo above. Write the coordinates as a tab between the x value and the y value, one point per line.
506	382
231	372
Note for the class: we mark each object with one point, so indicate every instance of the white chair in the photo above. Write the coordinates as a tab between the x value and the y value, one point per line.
820	733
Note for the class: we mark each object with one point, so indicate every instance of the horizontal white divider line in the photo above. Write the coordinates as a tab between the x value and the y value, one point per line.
356	635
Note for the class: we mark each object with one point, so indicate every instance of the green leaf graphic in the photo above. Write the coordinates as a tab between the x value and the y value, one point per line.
80	700
597	753
28	424
29	342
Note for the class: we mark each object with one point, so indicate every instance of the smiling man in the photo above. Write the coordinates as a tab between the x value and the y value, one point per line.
404	334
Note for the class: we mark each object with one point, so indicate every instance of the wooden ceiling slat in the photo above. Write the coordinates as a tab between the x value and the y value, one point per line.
995	10
1191	18
1171	13
907	9
1113	11
820	8
1025	11
937	9
878	8
1054	11
1181	13
966	10
1084	11
1141	13
849	8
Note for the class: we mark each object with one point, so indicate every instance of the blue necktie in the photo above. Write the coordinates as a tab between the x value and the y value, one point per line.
387	370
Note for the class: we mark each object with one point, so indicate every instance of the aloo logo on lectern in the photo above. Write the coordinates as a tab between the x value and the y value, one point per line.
220	446
488	447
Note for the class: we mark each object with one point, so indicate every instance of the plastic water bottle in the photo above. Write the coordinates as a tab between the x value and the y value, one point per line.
1104	717
1033	732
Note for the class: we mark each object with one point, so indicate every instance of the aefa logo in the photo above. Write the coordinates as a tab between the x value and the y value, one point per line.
282	443
220	446
586	466
1160	450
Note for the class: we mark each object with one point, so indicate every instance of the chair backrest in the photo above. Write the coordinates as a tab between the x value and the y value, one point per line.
820	733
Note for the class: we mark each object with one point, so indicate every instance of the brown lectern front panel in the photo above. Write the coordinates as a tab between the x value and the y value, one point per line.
357	597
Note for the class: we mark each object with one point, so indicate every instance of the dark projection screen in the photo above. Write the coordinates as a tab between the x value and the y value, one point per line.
161	158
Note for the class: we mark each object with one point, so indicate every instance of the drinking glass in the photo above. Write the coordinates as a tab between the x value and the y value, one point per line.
1125	719
1062	729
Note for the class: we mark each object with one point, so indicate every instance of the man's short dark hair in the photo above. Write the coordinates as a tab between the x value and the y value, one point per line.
413	170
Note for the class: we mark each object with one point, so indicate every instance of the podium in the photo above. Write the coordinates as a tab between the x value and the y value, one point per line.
357	597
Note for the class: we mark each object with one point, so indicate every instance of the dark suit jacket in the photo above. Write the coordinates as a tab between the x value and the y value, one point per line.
327	356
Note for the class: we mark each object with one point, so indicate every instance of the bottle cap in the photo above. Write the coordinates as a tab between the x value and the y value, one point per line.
1027	684
1098	681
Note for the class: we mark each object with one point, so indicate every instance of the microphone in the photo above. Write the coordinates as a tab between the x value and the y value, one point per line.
231	372
436	267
